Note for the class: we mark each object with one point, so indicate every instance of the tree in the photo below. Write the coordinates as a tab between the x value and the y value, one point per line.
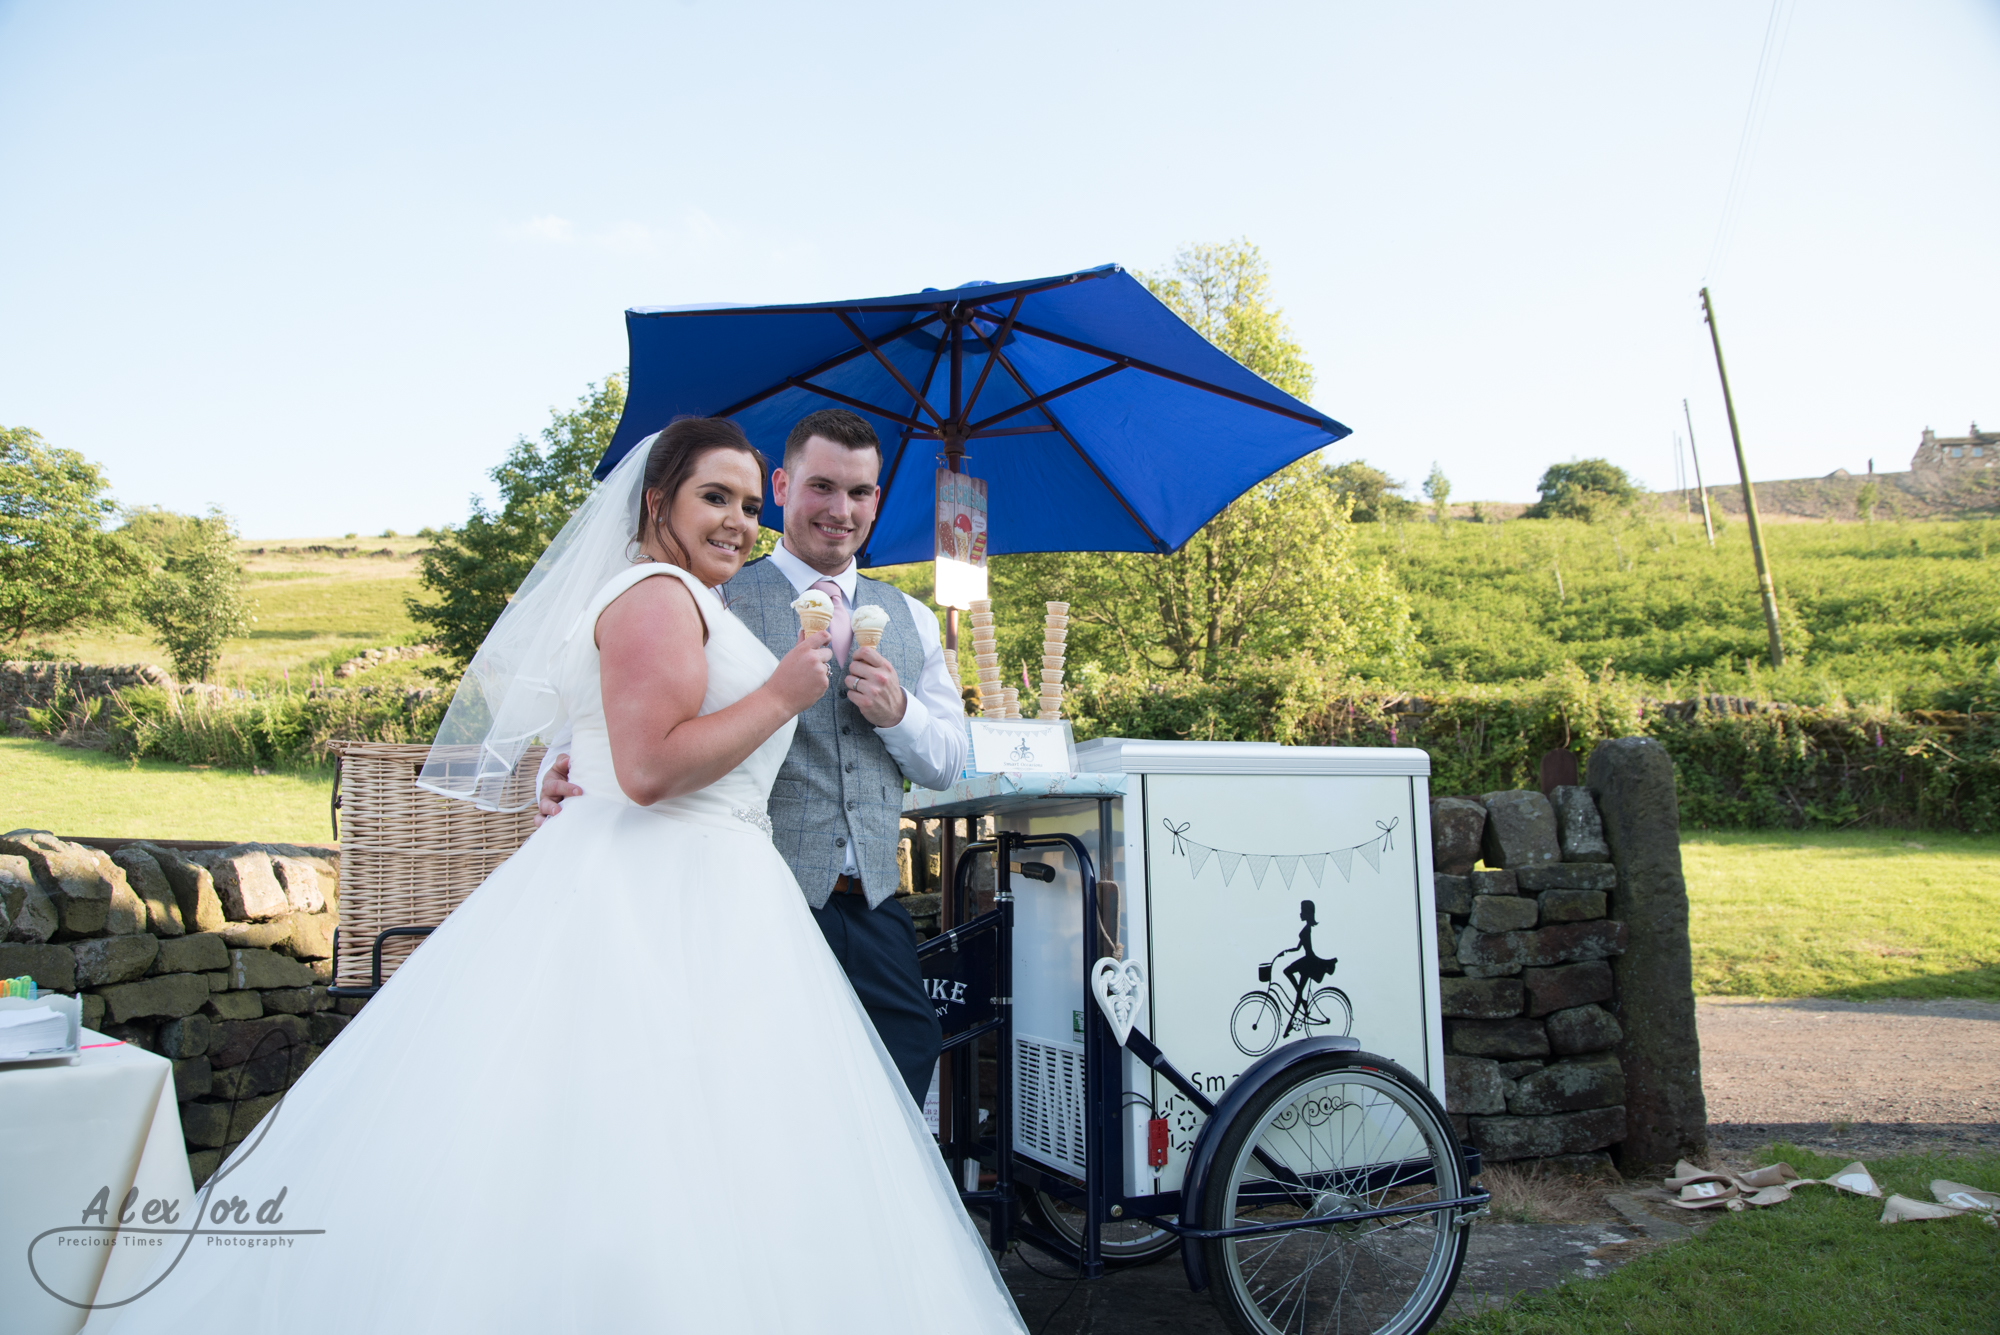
1276	573
1586	489
59	569
158	531
470	572
195	600
1864	501
1370	493
1437	487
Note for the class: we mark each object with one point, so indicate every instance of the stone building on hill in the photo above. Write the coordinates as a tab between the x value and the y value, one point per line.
1939	458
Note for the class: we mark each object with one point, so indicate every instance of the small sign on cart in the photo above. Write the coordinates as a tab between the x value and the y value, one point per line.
1045	745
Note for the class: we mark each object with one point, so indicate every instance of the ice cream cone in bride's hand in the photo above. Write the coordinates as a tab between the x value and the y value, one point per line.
869	623
815	611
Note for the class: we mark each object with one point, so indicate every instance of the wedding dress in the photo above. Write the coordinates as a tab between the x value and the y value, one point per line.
624	1087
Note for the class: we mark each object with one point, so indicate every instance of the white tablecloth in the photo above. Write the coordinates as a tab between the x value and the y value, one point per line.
108	1123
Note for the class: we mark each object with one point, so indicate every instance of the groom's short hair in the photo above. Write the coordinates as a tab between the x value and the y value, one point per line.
838	425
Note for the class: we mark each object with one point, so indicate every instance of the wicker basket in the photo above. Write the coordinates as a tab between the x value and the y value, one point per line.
408	857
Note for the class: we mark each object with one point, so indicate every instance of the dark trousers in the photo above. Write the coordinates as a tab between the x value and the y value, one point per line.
878	950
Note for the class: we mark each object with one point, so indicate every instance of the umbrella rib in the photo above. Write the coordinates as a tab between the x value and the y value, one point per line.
910	432
1311	419
999	340
889	366
1088	462
789	382
794	382
1056	393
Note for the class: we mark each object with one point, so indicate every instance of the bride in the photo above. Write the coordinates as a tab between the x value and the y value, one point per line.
625	1086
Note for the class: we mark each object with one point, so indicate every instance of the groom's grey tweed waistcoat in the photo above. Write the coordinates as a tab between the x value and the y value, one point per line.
839	784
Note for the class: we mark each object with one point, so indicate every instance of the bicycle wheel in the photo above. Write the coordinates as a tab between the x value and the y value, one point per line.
1123	1242
1254	1024
1330	1007
1340	1134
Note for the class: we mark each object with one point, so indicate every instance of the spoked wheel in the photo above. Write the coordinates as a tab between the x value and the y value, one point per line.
1254	1024
1330	1007
1122	1242
1343	1133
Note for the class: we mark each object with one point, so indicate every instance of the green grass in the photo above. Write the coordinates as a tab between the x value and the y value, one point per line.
47	787
1903	614
1820	1262
312	611
1859	914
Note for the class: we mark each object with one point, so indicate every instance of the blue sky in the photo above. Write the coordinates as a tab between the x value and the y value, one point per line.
321	264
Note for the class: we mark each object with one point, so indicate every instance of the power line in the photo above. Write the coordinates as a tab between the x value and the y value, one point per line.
1777	27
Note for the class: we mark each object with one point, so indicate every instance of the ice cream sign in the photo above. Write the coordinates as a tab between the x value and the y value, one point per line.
961	539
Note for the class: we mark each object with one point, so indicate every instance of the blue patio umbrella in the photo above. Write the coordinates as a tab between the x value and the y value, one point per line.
1099	419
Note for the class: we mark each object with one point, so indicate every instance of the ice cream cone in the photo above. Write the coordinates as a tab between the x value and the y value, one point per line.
981	605
1055	623
1052	660
1057	609
1052	677
981	620
869	623
815	611
1056	633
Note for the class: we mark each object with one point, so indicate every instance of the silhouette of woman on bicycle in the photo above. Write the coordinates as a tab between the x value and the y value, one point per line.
1254	1024
1308	968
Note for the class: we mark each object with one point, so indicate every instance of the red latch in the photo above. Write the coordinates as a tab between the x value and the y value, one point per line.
1156	1142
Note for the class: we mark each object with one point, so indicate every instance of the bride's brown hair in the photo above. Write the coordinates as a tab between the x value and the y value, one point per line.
672	461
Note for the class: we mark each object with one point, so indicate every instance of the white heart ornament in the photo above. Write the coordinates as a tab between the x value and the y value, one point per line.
1120	989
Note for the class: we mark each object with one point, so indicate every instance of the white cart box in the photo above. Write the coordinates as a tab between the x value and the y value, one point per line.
1217	849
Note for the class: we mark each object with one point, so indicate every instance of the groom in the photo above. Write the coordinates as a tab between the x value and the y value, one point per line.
891	714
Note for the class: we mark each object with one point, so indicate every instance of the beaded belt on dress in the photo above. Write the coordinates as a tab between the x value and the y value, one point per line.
760	819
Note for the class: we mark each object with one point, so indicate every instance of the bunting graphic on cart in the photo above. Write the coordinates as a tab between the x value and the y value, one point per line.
1287	864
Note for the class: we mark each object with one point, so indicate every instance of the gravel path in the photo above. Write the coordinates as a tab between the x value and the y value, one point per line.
1859	1078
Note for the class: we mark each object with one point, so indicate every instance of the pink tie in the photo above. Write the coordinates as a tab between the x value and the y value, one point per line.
842	628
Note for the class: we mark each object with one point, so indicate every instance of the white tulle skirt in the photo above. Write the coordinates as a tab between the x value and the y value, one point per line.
625	1087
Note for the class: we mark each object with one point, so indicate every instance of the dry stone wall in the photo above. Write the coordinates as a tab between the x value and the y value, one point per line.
26	685
1529	1000
215	958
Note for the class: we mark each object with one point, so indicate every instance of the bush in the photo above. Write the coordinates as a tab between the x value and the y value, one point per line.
1737	764
1370	492
1586	489
216	727
195	600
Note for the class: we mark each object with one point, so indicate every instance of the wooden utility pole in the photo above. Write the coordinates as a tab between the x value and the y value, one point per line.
1764	584
1707	521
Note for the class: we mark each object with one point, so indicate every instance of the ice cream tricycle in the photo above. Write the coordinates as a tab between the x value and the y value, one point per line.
1202	974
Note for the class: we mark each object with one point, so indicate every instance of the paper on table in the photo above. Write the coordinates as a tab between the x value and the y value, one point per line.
39	1030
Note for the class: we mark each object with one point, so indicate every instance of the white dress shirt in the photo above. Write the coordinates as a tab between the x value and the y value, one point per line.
929	744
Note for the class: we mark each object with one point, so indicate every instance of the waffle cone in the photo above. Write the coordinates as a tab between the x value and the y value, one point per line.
812	622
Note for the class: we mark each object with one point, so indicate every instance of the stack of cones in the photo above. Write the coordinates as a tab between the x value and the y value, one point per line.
986	658
1055	631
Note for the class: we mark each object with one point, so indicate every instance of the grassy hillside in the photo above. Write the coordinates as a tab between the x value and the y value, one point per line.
1902	613
314	608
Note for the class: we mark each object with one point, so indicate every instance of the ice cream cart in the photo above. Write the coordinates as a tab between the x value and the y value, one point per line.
1206	982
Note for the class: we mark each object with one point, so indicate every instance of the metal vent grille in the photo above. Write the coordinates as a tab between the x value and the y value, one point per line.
1048	1099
